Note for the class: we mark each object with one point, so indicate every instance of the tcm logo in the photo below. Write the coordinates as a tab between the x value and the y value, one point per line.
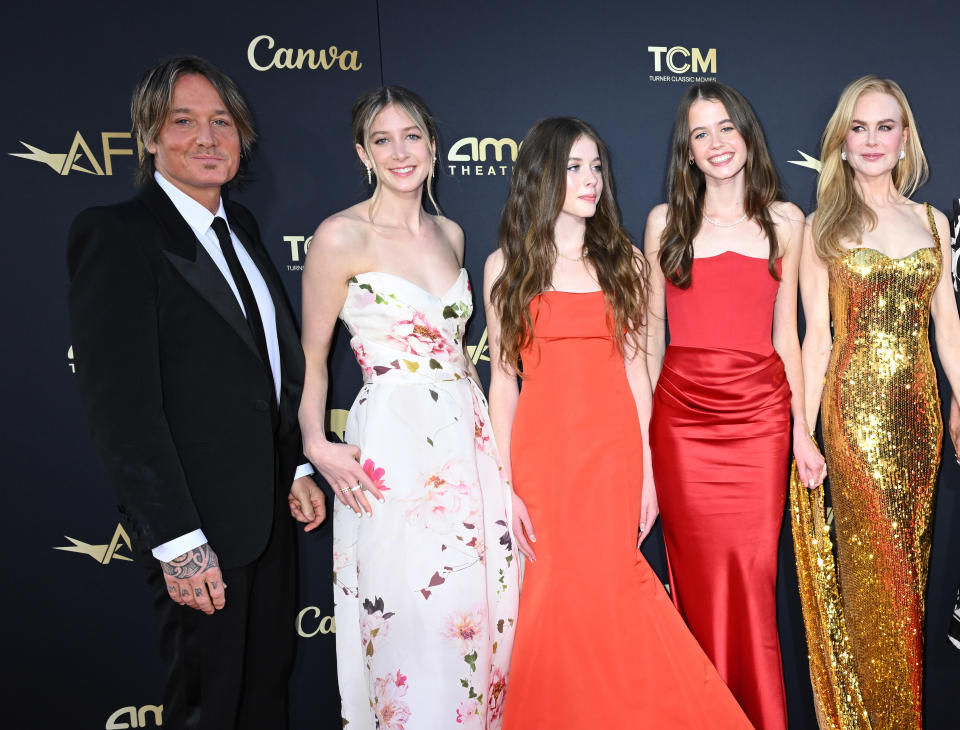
103	554
311	621
683	64
299	245
131	716
262	57
487	150
81	158
679	60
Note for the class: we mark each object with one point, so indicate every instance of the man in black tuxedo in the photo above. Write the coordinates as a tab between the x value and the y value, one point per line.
190	369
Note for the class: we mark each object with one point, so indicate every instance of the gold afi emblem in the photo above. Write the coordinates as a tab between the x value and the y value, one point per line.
478	352
63	163
103	554
812	162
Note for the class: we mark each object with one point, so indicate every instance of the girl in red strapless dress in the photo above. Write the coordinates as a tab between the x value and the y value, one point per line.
598	643
724	252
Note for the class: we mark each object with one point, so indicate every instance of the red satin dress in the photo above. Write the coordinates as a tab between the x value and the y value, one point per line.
598	645
720	439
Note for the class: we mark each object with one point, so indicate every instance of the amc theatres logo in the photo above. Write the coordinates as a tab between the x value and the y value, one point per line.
80	157
127	717
466	153
683	64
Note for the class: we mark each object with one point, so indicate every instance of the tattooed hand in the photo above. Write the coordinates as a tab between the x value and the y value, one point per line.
193	579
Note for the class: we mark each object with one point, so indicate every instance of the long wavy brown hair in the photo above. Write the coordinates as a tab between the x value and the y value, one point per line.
842	214
686	184
538	186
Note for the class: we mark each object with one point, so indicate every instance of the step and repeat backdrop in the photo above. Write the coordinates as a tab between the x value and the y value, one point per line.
78	632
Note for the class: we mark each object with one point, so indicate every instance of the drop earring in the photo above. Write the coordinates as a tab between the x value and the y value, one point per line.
690	162
369	176
843	155
902	154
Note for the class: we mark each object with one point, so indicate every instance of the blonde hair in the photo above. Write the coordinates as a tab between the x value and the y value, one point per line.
365	110
842	215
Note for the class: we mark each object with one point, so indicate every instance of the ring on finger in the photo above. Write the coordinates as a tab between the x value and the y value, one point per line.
344	490
356	488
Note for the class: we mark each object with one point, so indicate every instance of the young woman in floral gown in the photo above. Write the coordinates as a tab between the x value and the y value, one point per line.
425	581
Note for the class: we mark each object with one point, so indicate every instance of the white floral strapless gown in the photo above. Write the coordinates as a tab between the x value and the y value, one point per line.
426	590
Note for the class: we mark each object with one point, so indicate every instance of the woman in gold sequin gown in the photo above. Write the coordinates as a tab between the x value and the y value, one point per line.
874	265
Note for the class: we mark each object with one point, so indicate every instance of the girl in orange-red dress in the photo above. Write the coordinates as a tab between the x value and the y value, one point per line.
598	643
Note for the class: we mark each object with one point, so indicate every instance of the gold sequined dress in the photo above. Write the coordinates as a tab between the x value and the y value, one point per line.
882	432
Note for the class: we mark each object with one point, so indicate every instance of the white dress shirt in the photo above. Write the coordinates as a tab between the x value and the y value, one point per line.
200	220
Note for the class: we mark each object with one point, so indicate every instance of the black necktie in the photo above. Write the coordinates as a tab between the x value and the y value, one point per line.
246	296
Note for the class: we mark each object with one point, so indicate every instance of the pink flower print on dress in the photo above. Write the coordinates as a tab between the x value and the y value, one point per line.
341	559
376	475
444	504
469	628
362	361
479	545
363	298
374	624
468	715
392	712
496	694
416	335
480	434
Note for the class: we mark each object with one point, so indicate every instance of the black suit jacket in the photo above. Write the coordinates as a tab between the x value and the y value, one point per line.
176	395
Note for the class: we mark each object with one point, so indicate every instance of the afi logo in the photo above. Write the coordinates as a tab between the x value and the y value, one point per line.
810	162
478	352
80	158
680	60
103	554
127	717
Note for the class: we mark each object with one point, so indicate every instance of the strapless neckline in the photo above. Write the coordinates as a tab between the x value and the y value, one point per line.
441	297
887	256
735	253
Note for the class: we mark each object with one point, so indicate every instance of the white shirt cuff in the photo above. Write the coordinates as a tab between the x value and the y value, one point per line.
178	546
304	470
